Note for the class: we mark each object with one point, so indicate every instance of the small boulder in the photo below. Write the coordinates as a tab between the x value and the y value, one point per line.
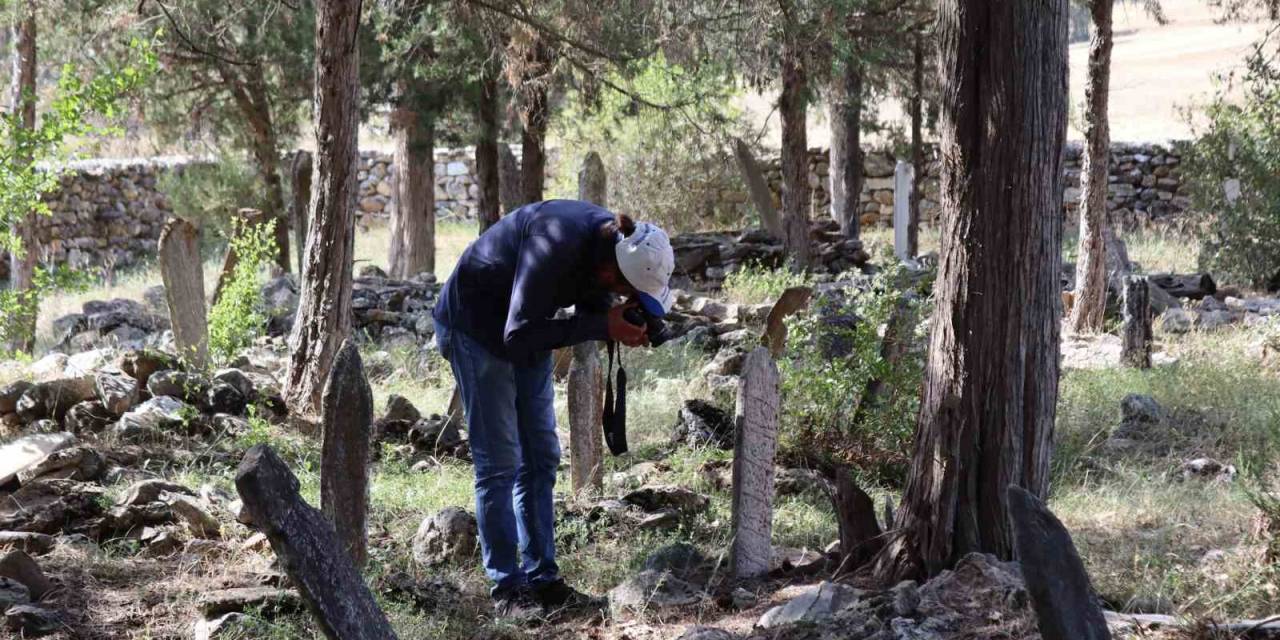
817	604
399	408
237	379
48	505
657	498
11	393
1177	320
145	491
225	398
436	436
116	391
1137	408
80	462
728	362
30	621
13	593
54	398
90	416
216	603
1208	469
681	559
700	632
448	536
18	566
199	521
651	591
186	386
223	626
153	417
139	364
702	423
31	543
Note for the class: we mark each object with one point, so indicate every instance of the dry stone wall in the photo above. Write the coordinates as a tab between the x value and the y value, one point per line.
108	214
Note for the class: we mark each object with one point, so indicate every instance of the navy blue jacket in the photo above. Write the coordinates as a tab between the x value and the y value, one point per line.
510	281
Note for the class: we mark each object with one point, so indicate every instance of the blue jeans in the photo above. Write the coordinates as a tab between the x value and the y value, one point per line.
511	425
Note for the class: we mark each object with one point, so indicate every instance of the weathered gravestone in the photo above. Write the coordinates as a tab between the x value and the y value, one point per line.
183	275
245	219
346	416
1136	340
301	173
586	385
508	179
756	440
1060	592
903	177
309	550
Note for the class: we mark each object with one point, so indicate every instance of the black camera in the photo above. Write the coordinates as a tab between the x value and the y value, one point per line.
654	327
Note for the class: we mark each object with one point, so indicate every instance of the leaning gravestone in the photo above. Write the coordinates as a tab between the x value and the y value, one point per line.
1136	342
586	384
755	442
346	417
1060	591
758	186
183	275
309	549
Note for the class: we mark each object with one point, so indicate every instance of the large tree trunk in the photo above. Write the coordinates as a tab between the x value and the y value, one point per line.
533	152
991	386
413	223
917	145
795	159
846	166
489	206
324	310
1091	274
22	262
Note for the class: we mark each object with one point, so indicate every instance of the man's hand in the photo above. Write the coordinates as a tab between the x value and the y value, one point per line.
632	335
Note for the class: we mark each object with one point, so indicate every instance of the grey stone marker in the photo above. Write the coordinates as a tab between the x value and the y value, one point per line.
1056	580
183	275
1136	339
585	385
346	417
903	177
756	441
758	186
309	550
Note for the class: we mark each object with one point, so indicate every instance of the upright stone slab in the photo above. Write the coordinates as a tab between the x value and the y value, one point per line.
1136	340
183	274
346	416
758	186
903	178
1056	580
756	440
301	174
309	550
508	179
586	379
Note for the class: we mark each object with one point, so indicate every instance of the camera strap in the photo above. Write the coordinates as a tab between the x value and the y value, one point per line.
615	407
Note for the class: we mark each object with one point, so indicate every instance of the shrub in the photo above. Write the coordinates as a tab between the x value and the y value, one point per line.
667	165
833	354
1233	173
238	317
211	193
756	284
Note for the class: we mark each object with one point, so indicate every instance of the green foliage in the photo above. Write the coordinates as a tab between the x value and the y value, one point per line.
26	154
1233	173
821	419
211	194
668	163
239	316
755	284
18	308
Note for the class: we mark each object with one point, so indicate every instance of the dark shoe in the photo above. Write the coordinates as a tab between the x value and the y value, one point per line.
517	606
557	596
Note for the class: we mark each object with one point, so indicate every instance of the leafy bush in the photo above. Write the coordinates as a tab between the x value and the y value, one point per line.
833	354
667	165
211	193
1233	172
238	317
756	284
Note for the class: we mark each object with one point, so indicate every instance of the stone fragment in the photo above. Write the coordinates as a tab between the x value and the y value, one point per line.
90	416
54	398
199	521
681	559
651	591
117	392
702	423
48	505
11	393
700	632
150	490
223	626
30	621
29	451
224	601
448	536
657	498
817	604
76	463
31	543
153	417
18	566
189	387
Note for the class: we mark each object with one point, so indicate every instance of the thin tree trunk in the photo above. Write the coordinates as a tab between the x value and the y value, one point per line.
917	145
991	384
1091	276
533	153
846	166
22	262
489	206
795	159
324	310
413	225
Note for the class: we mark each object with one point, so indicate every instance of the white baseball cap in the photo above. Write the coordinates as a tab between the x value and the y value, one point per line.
646	261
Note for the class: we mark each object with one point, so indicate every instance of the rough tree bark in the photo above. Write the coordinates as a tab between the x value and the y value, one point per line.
489	205
586	384
846	162
991	384
917	143
413	223
535	116
795	158
183	275
324	309
300	174
1091	274
22	263
248	89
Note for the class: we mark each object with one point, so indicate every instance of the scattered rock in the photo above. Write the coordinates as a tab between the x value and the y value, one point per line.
681	559
1177	320
81	462
448	536
46	505
219	627
225	398
436	436
728	362
139	364
791	481
218	603
54	398
199	521
145	491
18	566
651	591
658	498
740	599
90	416
32	543
400	409
29	451
906	598
152	417
239	380
817	604
186	386
702	423
30	621
706	633
11	393
13	593
1208	469
117	392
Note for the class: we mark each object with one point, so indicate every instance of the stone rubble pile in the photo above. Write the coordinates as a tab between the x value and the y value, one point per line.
703	259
